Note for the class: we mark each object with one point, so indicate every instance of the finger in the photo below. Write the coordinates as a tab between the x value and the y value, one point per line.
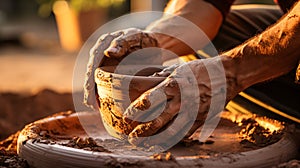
95	60
202	113
96	52
150	128
176	130
131	40
181	127
167	71
150	104
120	46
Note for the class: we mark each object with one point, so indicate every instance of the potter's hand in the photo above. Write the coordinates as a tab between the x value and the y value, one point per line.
128	41
110	49
188	87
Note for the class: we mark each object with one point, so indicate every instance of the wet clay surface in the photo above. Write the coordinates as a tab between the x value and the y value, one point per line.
11	160
228	138
290	164
8	153
253	135
114	89
86	144
163	156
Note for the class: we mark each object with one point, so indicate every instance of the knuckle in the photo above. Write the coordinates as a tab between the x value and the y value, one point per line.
172	82
142	104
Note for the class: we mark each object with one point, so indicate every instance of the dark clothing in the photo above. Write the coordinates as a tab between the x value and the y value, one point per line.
244	22
224	5
285	5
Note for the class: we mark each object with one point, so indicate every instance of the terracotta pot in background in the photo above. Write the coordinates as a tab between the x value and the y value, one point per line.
74	28
90	21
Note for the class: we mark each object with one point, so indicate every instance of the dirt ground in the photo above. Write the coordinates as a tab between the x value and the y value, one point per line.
36	81
16	110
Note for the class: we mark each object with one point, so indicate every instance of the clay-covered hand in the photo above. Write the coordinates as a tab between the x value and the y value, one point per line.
128	41
179	105
110	49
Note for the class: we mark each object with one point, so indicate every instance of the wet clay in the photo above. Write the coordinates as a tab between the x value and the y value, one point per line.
65	131
8	153
115	92
11	160
163	156
10	143
253	135
230	137
136	39
86	144
290	164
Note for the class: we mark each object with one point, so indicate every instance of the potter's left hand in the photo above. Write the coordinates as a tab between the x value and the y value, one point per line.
110	50
174	98
127	41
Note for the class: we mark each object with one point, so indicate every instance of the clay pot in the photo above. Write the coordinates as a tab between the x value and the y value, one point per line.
117	87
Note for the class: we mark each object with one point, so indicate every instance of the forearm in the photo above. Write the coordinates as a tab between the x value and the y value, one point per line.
268	55
202	14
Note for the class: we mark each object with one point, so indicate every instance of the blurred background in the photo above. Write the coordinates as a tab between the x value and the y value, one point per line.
39	42
34	32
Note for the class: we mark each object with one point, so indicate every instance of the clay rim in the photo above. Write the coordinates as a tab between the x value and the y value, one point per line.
109	71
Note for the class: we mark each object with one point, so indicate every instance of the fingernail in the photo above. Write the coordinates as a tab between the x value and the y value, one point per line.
110	50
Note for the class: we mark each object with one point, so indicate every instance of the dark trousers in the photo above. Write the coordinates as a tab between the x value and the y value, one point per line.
244	22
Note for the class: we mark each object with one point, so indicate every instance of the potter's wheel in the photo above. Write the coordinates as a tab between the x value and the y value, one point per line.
43	144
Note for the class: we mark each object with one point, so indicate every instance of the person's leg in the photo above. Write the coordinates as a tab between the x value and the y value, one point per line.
244	22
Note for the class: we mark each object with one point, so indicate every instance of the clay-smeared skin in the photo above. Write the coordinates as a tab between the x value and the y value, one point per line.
144	104
115	46
130	41
171	89
273	53
266	56
96	58
109	50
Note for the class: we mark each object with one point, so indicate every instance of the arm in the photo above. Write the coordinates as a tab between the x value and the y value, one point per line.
201	13
268	55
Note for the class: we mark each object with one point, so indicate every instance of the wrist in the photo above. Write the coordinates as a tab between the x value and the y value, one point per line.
234	80
181	28
174	45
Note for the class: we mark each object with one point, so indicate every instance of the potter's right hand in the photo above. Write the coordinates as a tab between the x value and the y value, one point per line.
180	104
126	42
